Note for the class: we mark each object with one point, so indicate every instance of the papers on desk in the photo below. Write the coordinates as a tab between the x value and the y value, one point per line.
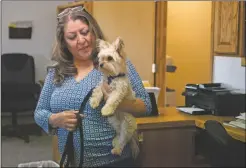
189	110
240	122
242	116
192	110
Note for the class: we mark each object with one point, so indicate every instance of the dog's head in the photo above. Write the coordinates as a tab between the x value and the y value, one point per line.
111	58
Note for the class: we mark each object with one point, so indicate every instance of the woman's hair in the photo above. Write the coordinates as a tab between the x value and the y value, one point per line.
64	65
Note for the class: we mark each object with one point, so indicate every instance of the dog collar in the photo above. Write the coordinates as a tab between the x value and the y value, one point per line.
110	78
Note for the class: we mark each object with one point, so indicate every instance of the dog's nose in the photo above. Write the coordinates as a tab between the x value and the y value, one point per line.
101	65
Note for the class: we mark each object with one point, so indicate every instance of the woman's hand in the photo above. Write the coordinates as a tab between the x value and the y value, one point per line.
65	119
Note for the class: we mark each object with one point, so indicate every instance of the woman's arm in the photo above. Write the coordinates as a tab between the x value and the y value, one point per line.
136	108
43	115
142	105
43	112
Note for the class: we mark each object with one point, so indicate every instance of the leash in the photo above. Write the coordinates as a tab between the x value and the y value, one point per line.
67	159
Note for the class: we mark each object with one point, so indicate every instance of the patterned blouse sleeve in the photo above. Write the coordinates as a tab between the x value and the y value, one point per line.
43	111
138	87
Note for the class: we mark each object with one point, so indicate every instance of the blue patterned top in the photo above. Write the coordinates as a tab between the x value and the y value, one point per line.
98	134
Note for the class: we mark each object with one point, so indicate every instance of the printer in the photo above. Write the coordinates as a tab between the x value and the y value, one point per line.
217	98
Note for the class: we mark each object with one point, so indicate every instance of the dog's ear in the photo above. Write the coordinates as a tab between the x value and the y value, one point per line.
101	44
119	44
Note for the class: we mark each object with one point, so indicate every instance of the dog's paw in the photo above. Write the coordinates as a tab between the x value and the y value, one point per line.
115	141
94	102
116	151
107	111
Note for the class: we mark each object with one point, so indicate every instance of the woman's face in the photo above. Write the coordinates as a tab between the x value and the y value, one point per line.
80	41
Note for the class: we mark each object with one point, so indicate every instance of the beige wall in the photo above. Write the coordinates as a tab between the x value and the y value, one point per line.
189	43
134	22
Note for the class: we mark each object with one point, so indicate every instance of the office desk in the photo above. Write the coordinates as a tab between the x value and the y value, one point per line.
170	114
168	140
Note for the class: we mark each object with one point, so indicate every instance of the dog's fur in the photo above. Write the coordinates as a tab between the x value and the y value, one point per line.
112	62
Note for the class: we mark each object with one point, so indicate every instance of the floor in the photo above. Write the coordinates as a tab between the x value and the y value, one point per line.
15	151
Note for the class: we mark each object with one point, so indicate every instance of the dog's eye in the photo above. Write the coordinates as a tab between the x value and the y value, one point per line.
110	58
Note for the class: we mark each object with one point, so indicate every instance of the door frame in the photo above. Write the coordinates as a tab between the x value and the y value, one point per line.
160	49
242	33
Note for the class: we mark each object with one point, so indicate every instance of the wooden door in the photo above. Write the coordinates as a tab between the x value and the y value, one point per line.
226	27
134	21
160	49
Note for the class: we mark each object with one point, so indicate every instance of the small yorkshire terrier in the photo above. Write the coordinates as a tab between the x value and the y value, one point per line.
112	63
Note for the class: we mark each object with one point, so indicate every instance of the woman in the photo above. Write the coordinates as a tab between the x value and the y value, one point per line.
68	82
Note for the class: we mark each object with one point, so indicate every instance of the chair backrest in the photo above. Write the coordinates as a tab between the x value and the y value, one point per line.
224	150
217	132
17	68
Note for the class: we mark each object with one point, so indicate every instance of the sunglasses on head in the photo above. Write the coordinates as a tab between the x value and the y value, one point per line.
68	11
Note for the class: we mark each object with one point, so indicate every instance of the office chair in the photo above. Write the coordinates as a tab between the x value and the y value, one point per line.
19	92
223	150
